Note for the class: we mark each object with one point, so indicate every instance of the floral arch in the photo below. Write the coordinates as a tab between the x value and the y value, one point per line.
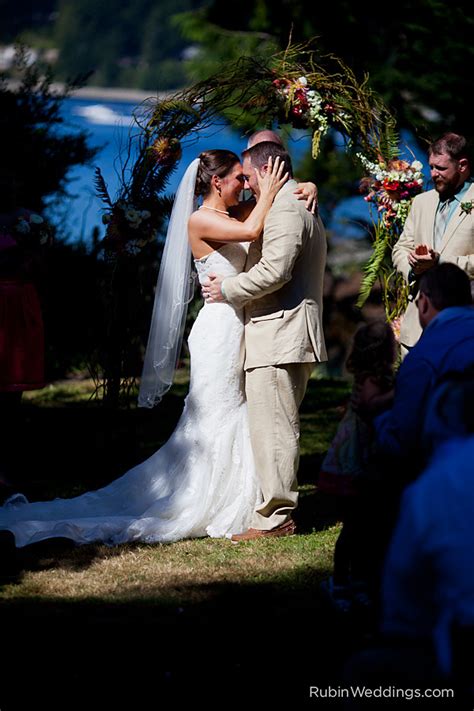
295	87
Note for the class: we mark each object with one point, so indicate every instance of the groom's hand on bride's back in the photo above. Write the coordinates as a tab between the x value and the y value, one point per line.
212	289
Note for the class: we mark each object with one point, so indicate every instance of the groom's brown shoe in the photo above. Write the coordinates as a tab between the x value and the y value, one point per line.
286	529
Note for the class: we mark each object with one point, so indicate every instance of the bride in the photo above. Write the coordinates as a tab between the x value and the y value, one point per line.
202	481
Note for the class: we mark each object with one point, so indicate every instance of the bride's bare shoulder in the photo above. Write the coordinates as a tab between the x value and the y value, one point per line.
197	220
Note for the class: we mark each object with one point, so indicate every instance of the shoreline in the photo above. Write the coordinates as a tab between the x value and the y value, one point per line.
104	93
116	93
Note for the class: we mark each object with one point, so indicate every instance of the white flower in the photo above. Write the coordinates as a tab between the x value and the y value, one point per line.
416	165
132	247
23	227
303	81
132	215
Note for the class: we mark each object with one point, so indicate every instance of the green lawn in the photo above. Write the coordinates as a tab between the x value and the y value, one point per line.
226	601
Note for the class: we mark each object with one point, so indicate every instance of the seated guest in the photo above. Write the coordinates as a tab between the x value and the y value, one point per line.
446	346
428	586
446	316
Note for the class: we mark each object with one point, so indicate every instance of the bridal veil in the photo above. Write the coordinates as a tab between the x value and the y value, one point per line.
174	291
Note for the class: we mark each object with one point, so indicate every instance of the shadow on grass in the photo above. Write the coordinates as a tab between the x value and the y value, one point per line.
247	644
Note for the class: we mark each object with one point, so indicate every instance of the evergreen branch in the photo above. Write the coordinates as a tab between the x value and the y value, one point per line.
371	271
101	187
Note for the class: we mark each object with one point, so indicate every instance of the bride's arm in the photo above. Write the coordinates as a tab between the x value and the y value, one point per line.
209	226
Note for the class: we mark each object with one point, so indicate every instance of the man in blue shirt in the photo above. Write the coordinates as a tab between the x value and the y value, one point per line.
428	585
427	589
446	316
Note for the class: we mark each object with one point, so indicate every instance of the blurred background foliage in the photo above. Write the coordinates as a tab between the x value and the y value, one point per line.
418	53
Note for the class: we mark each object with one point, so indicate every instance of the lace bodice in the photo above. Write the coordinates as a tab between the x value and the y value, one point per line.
228	260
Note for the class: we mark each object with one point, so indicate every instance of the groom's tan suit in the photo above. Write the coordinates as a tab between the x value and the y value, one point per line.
457	247
281	290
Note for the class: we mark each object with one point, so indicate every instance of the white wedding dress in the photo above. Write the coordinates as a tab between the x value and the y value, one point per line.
202	481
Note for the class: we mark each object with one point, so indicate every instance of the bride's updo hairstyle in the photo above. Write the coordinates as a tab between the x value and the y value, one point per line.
216	162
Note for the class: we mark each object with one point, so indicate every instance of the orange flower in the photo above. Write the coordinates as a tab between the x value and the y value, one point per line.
166	150
398	165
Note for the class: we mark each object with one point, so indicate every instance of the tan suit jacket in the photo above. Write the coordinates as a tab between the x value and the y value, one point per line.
457	247
282	286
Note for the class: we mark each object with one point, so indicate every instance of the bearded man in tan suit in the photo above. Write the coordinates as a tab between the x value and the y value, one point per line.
440	225
282	292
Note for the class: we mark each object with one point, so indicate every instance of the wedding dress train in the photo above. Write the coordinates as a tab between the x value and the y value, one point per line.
202	481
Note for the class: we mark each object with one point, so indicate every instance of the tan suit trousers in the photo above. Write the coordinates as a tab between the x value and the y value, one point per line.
274	395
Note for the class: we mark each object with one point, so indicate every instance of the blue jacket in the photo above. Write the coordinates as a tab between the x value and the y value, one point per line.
428	583
446	345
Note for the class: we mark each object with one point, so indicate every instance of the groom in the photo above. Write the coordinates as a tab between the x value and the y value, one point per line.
281	290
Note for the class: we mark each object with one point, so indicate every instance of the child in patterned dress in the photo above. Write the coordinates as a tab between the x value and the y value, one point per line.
348	466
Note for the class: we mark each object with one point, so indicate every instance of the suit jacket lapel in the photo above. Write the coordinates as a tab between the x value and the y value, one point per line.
457	218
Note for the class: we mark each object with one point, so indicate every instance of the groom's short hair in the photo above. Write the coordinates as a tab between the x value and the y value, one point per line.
261	152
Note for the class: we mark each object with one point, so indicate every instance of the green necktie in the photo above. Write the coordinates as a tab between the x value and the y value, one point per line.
440	223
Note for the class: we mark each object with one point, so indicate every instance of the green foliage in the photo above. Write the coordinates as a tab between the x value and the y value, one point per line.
218	46
18	16
373	266
380	268
140	48
335	173
390	143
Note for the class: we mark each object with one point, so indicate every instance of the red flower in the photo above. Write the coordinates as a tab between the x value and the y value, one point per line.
281	84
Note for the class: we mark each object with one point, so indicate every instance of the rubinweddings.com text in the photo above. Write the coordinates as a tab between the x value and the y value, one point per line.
378	692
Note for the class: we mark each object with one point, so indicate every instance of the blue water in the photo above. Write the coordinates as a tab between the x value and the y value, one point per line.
110	125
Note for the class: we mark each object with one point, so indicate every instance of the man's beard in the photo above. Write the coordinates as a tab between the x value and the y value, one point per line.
444	190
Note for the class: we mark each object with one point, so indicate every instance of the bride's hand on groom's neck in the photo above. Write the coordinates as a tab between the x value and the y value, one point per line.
309	192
